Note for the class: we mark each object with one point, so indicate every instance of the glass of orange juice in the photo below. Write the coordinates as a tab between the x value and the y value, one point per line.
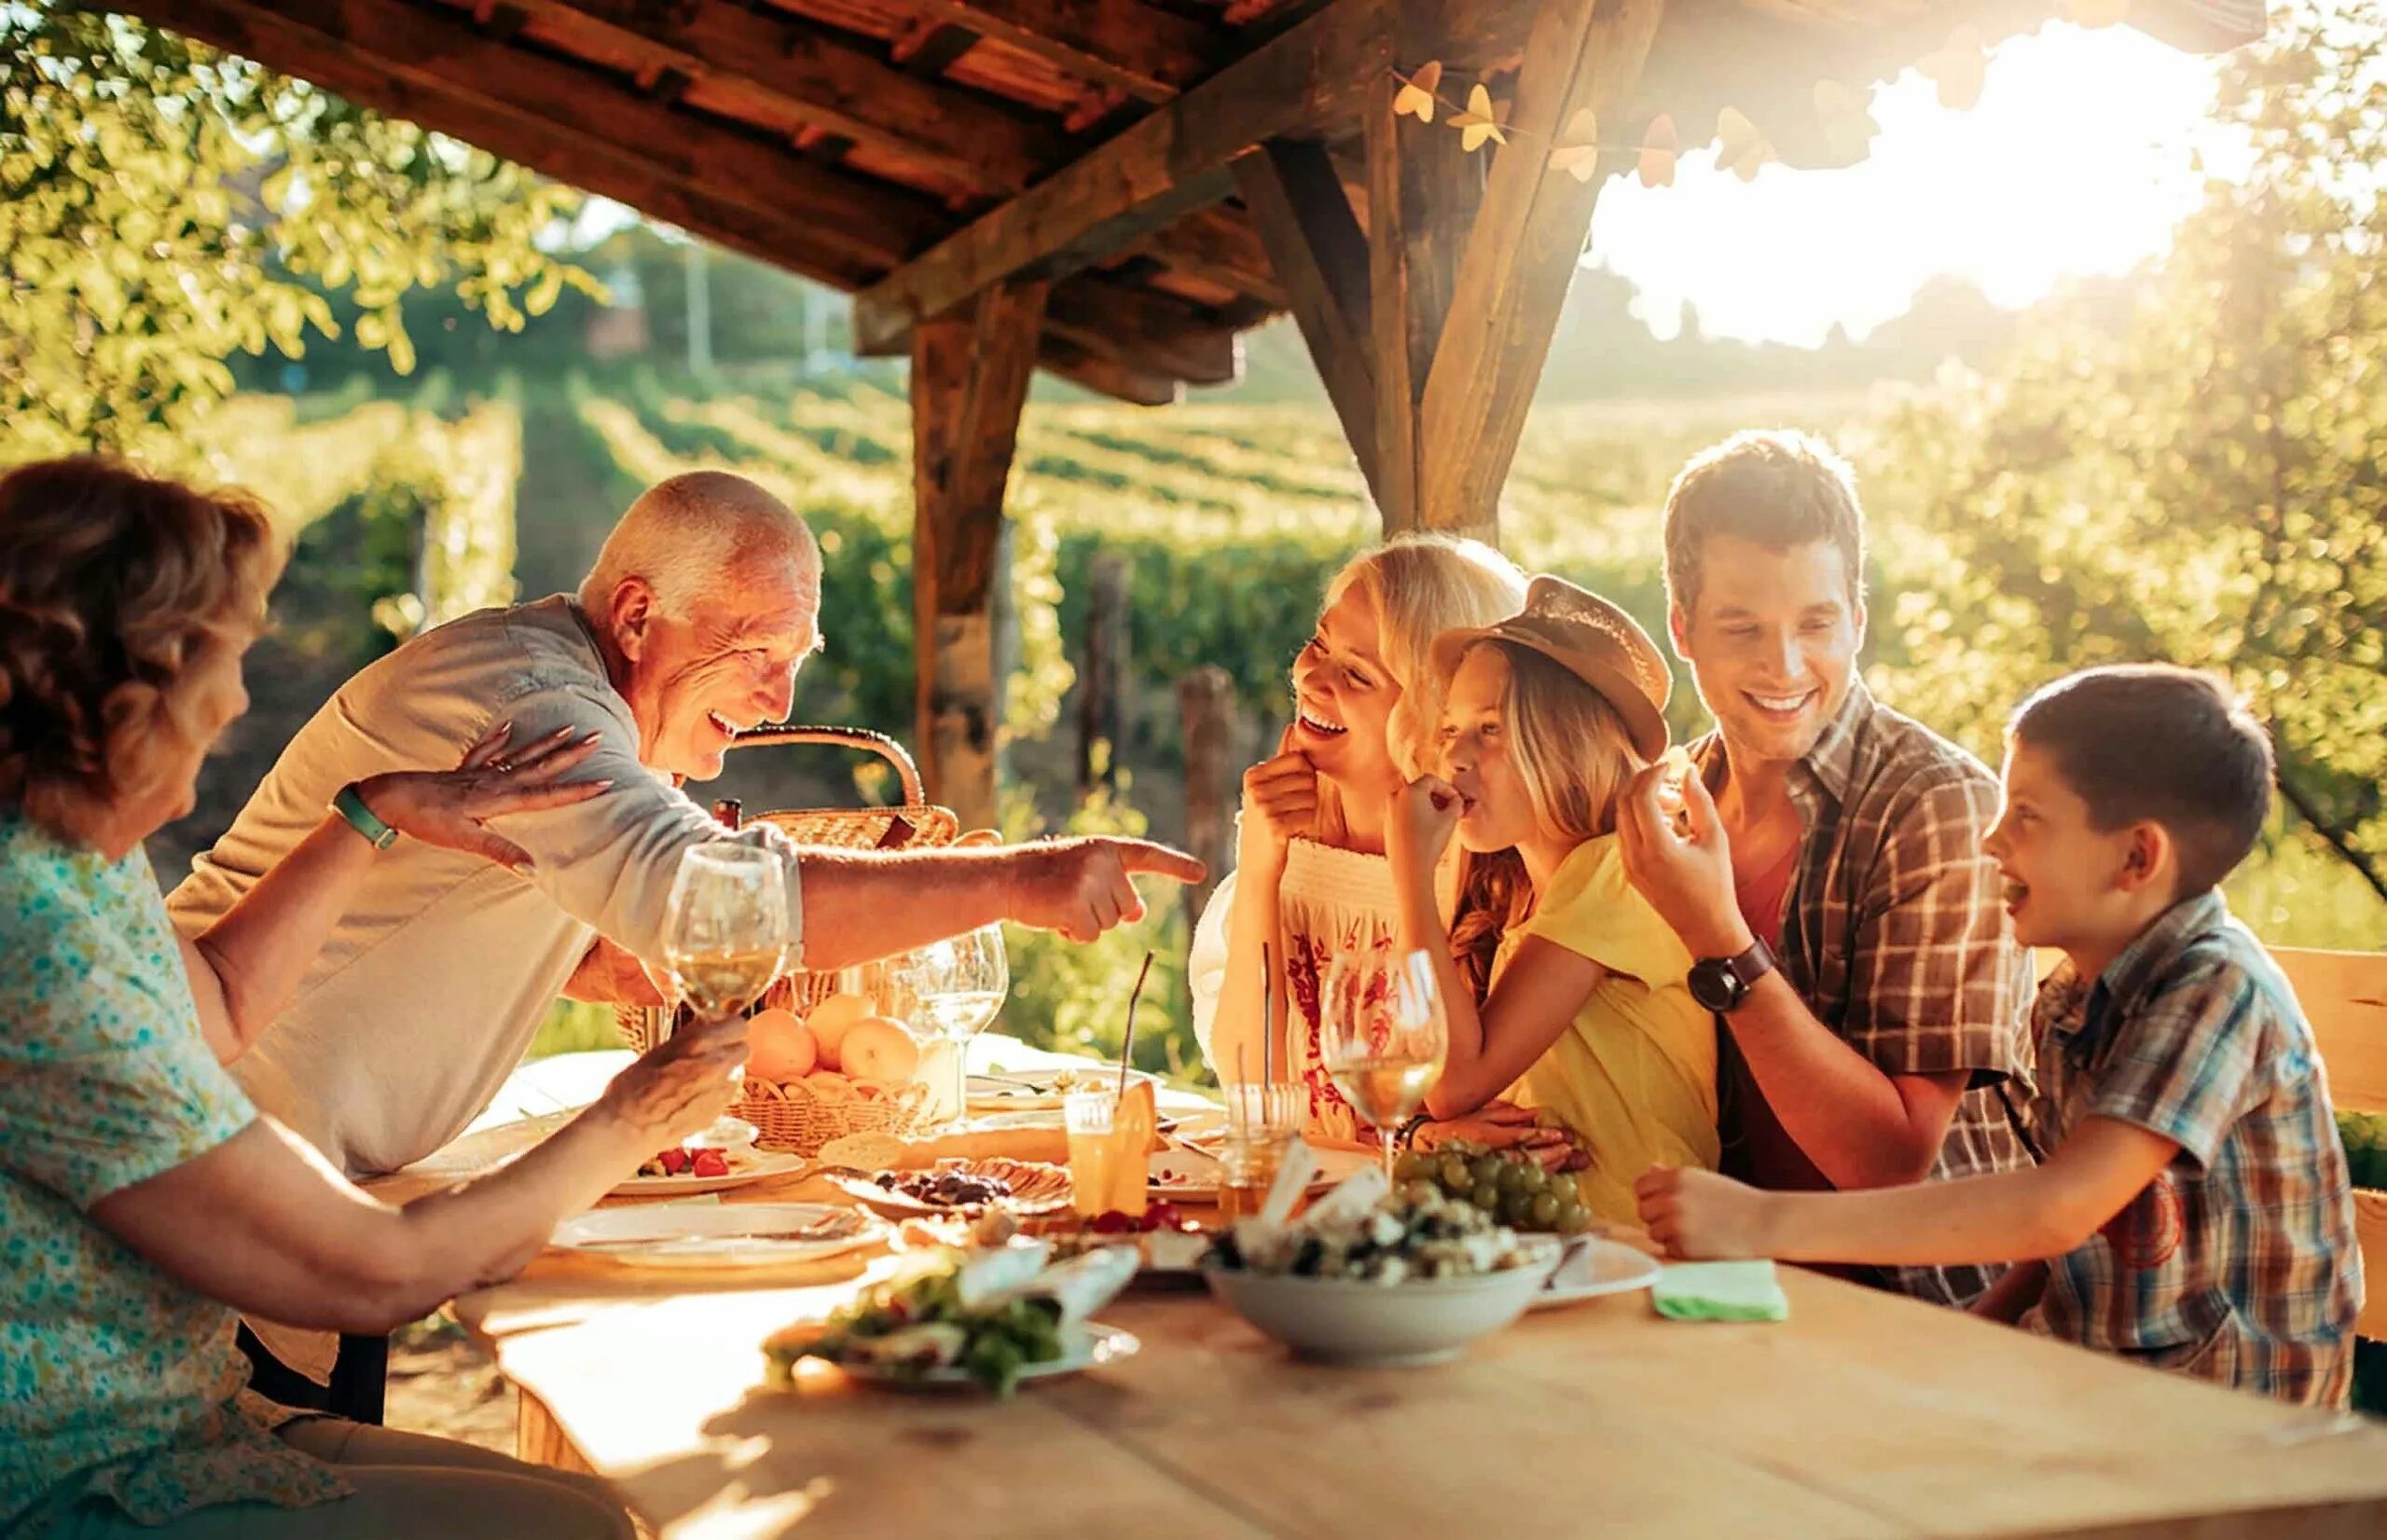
1108	1142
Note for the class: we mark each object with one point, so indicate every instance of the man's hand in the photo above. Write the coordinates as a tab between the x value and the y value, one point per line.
1687	875
1279	800
1420	822
1081	887
1699	1213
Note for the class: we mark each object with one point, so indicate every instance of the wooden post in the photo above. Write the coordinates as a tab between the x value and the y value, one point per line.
1103	685
970	373
1431	336
1205	704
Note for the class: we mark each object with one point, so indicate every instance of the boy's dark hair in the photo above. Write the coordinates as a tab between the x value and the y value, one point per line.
1777	488
2151	742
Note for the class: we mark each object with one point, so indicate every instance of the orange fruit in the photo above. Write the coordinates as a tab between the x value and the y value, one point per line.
829	1021
877	1048
778	1047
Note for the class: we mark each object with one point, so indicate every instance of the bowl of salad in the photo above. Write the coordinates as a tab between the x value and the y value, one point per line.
1410	1279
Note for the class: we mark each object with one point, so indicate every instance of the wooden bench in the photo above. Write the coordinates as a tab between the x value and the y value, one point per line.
2344	996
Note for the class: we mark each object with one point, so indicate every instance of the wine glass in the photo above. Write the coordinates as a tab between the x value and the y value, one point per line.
1382	1035
957	986
725	933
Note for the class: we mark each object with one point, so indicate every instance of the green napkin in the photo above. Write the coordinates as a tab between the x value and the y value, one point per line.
1720	1291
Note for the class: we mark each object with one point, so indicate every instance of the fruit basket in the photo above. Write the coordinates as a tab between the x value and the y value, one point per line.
800	1114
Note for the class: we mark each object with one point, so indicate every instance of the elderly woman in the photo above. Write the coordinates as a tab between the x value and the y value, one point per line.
1311	878
144	1203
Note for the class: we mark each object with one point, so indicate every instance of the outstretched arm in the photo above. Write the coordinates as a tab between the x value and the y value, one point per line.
2037	1212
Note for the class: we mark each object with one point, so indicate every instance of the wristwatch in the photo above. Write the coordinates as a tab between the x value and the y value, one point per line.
350	805
1721	983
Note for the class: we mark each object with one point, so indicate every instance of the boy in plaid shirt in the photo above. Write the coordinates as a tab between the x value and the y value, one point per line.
2194	1211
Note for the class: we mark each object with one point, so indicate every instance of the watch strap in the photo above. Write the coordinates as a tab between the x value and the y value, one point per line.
1753	964
350	805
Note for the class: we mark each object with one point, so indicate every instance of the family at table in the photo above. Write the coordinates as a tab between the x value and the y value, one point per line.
1767	994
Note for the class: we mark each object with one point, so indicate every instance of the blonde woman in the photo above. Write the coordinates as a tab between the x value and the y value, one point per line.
144	1200
1310	878
1566	989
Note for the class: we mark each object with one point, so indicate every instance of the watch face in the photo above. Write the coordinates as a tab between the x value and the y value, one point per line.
1715	986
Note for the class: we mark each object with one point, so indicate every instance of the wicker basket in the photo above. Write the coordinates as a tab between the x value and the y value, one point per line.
795	1117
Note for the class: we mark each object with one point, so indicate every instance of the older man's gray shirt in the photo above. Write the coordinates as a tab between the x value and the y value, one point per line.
435	981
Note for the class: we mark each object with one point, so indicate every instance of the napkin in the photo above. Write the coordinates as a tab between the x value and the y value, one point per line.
1720	1291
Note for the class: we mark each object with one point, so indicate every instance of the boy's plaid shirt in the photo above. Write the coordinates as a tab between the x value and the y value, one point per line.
2239	1262
1894	934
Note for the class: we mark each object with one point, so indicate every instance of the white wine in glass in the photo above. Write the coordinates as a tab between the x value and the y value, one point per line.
725	934
1383	1036
957	986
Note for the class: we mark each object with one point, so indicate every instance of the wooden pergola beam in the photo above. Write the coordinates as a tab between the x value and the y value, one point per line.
1174	161
1523	246
1132	383
1320	256
868	222
841	87
1145	328
336	65
970	375
1148	53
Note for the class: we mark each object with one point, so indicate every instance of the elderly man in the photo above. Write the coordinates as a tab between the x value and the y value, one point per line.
701	607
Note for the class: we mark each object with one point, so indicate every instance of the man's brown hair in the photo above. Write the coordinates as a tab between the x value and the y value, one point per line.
1775	488
2149	742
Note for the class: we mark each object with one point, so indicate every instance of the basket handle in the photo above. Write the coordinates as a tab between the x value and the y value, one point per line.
906	773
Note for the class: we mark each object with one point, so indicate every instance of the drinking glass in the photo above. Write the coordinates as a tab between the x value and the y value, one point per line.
1262	1122
956	987
1108	1170
725	933
1382	1036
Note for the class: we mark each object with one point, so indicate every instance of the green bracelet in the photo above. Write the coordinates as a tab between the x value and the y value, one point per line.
351	806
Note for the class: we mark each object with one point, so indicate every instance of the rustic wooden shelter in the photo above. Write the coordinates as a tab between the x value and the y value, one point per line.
1112	189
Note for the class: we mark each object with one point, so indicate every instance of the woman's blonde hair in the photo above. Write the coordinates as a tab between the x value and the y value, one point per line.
1574	755
113	585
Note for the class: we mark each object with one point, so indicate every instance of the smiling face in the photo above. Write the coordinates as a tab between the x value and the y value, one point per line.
1772	639
693	682
2068	884
1342	698
1477	755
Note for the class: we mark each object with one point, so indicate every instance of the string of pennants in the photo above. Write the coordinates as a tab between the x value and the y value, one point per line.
1958	67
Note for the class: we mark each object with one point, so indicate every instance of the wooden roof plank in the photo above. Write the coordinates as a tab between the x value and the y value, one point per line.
869	221
840	86
336	66
1169	164
1132	383
1119	321
1148	53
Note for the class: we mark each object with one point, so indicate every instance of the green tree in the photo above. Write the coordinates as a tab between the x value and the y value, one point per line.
2204	482
162	206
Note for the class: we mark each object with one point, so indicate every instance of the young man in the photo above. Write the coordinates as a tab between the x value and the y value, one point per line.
2195	1212
1831	884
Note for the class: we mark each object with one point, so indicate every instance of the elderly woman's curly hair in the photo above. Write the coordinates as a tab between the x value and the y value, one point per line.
113	585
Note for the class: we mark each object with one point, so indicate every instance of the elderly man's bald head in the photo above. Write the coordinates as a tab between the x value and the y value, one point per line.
696	536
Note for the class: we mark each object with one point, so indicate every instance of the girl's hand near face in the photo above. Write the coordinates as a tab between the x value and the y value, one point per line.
1420	822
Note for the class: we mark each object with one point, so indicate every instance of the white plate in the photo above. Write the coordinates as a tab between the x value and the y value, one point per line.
1088	1345
749	1165
1591	1268
1029	1090
727	1235
902	1206
1189	1174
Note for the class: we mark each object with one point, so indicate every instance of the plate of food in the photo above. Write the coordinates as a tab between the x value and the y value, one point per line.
964	1187
1592	1267
683	1172
1186	1174
1036	1090
731	1235
987	1320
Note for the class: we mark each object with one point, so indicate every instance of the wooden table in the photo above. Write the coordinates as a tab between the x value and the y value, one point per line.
1863	1415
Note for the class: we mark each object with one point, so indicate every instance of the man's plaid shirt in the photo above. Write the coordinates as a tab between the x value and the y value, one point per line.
1894	934
2237	1263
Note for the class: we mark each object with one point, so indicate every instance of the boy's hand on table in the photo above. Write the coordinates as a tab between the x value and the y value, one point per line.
1700	1216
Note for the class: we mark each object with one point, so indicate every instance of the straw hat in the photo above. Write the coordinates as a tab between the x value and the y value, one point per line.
1591	639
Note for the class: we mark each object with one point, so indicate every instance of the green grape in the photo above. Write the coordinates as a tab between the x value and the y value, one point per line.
1412	1166
1574	1219
1512	1177
1544	1210
1421	1192
1486	1198
1516	1208
1487	1170
1535	1180
1457	1178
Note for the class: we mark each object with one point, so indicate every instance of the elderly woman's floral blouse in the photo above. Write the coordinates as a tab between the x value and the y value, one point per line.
115	1379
